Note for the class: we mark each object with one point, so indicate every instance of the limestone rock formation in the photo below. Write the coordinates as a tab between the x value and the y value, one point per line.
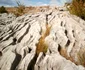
20	36
6	19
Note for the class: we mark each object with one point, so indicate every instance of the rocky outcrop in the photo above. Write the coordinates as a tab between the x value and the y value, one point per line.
18	41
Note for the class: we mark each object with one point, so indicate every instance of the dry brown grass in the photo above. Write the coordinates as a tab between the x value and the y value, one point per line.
81	57
63	52
77	7
19	11
10	9
28	10
42	46
47	32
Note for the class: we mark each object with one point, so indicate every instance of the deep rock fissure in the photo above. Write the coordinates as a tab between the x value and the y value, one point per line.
32	63
16	62
27	30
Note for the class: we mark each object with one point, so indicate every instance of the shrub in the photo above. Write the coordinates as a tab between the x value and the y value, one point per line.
81	57
77	7
19	9
3	10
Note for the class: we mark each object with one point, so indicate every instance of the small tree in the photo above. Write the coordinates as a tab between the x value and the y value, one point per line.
3	10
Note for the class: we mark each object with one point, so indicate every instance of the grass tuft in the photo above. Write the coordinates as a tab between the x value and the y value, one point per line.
63	52
81	57
41	46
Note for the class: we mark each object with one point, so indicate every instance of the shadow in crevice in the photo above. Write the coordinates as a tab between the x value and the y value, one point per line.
32	63
59	48
66	32
68	43
27	30
16	62
0	53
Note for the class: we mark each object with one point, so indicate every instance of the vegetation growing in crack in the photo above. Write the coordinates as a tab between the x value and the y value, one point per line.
42	46
63	52
81	57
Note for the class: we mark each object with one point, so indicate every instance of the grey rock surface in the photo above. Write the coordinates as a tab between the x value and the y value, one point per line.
5	20
19	36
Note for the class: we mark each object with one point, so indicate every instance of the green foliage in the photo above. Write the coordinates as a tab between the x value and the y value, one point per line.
77	7
3	10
